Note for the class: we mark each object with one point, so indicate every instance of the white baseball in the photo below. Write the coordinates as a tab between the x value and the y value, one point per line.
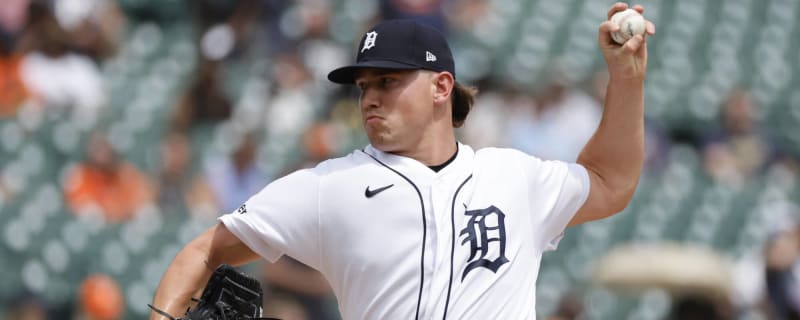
630	24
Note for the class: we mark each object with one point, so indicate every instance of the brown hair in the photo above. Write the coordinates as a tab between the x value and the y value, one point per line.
43	33
463	98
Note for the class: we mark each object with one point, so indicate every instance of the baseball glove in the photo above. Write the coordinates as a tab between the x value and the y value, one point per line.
228	295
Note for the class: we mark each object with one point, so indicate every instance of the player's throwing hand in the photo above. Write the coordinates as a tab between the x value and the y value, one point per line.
628	60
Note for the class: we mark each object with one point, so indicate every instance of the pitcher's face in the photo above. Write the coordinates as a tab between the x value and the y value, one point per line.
396	106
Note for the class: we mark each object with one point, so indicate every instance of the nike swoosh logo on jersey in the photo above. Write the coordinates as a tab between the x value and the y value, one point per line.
371	193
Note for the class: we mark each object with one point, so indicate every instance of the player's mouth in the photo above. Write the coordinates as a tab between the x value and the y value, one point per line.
373	119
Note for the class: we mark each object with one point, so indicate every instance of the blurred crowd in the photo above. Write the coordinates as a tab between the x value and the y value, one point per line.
55	57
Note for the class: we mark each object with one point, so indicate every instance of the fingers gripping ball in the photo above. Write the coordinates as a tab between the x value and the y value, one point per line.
630	24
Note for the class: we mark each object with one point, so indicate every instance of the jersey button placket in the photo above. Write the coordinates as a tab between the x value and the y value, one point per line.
440	272
431	248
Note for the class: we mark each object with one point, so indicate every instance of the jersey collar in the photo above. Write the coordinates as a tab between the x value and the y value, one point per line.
421	172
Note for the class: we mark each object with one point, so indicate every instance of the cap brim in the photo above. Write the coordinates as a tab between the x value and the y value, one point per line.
347	74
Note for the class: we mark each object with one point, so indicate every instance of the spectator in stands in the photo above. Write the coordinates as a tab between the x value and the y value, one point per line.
322	141
13	18
487	124
782	263
235	178
739	148
429	12
298	282
343	110
25	306
559	122
315	47
465	15
699	307
225	28
292	108
55	75
96	26
101	298
107	183
13	92
281	307
275	39
570	307
178	190
205	101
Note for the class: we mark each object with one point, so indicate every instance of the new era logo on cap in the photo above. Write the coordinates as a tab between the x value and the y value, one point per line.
429	56
402	43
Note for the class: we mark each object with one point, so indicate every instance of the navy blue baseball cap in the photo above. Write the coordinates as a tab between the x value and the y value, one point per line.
402	44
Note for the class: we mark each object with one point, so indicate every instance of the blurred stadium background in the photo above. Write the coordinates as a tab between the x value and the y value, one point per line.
127	126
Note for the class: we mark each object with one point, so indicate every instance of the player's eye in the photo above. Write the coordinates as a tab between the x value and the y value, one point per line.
385	81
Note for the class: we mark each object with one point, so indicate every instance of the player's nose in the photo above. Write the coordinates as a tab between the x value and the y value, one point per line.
369	99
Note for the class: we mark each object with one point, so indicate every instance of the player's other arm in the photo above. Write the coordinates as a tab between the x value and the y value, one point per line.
192	267
614	155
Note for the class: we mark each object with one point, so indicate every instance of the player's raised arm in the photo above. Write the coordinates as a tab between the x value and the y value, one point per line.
614	155
193	265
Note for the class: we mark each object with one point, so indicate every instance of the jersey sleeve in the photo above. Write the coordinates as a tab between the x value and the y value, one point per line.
282	218
558	190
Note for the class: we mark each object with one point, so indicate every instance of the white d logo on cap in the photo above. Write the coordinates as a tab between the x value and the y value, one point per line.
369	42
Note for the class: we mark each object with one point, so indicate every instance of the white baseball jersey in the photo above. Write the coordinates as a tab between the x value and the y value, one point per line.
397	240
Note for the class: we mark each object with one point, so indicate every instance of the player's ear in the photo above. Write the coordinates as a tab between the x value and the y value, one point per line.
443	83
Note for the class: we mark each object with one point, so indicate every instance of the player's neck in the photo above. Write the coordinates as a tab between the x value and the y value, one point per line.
434	149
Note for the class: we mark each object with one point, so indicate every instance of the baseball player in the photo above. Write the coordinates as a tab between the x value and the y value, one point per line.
417	225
